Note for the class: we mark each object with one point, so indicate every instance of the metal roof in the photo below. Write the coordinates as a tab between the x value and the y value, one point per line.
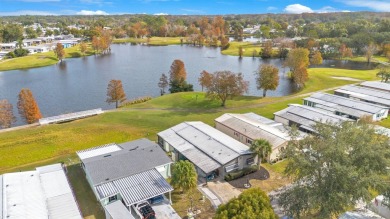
255	129
192	153
376	85
307	116
96	151
135	157
140	187
206	147
43	193
366	93
118	211
344	105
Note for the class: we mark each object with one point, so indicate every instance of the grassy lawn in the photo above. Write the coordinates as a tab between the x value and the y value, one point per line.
364	59
40	59
181	202
247	49
277	178
53	142
27	148
157	41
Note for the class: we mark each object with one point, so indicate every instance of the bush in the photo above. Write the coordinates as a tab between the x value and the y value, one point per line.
240	173
135	101
21	52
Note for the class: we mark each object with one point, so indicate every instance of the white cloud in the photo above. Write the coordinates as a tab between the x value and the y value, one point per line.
86	12
377	5
297	9
271	8
159	14
25	12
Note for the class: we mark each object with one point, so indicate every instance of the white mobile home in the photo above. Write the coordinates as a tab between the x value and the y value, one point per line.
342	106
365	94
248	127
305	117
211	151
376	85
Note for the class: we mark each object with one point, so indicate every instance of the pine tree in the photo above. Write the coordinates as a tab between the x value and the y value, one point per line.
28	107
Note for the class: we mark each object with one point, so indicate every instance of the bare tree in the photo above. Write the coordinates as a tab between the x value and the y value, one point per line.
163	83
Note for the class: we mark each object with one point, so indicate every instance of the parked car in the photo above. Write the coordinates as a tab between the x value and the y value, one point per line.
144	210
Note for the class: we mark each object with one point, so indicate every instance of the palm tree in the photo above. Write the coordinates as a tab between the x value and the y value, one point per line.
262	148
184	175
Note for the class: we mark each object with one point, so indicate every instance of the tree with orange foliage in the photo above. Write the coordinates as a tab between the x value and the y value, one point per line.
6	114
345	51
298	61
204	79
28	107
226	84
266	52
59	51
316	59
83	48
267	78
115	92
178	71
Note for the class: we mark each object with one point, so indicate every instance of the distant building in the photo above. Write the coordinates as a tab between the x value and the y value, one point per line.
342	106
305	117
42	193
123	175
248	127
211	151
366	94
376	85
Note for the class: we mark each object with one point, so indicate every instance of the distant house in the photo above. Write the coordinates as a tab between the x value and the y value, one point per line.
305	117
124	175
376	85
211	151
37	49
342	106
42	193
366	94
248	127
8	46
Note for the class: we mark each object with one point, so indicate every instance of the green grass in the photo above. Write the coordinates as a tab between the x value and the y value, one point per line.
55	141
278	167
375	58
157	41
247	49
181	202
40	59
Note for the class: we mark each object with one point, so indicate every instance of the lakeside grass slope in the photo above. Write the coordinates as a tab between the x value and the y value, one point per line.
156	41
40	144
41	59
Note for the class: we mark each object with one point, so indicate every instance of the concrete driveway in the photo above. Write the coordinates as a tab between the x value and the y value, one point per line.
223	190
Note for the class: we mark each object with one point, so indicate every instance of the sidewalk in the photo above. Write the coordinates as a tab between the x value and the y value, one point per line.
215	201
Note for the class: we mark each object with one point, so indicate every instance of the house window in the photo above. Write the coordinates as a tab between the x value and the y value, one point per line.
112	198
248	141
231	167
250	161
236	133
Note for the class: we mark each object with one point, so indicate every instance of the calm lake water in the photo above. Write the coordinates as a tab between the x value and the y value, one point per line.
81	83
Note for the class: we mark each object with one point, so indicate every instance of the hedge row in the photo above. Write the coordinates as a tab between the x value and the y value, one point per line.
135	101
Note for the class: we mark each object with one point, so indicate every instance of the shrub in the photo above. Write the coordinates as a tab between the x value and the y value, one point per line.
240	173
135	101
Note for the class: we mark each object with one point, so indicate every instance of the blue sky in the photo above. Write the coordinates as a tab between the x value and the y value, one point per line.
185	7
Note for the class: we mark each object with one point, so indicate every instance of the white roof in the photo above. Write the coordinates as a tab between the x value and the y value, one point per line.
206	147
366	93
117	210
138	187
376	85
97	151
252	126
43	193
344	105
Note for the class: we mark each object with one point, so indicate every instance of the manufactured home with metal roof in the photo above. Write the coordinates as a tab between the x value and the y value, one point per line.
211	151
131	173
42	193
365	94
342	106
376	85
305	117
248	127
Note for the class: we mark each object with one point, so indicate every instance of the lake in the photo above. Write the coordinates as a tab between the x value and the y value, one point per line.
81	83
